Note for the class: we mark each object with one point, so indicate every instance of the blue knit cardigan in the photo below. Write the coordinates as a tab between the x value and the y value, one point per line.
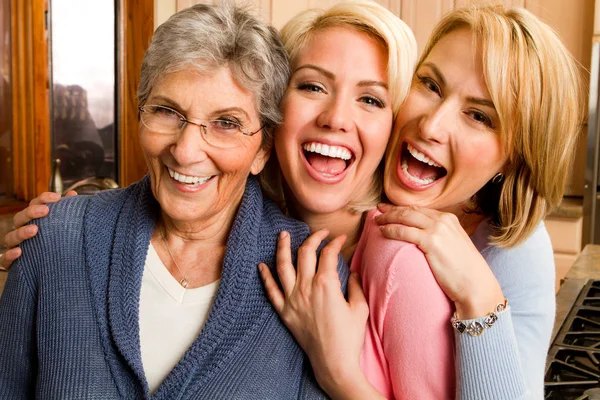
69	314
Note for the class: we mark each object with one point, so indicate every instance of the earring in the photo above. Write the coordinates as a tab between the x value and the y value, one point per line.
498	178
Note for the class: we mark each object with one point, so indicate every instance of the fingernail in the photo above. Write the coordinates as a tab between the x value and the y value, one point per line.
283	234
260	267
30	229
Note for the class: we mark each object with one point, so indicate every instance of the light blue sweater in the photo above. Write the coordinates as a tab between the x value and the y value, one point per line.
69	312
508	360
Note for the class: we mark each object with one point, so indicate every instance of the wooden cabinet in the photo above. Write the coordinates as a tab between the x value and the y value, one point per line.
565	234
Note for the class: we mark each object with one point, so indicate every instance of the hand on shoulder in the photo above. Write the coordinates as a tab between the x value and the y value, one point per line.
459	268
37	208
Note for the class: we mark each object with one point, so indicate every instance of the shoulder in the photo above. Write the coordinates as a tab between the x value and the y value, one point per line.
526	272
393	264
534	253
273	220
66	213
379	251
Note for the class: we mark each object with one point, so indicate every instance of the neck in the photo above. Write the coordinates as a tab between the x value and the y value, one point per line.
339	222
468	220
196	250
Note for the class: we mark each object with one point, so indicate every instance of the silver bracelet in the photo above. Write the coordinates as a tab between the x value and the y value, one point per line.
476	328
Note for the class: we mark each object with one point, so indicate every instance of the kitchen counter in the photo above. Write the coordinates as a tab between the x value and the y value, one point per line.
587	265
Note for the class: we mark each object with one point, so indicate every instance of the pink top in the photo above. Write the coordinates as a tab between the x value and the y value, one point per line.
409	343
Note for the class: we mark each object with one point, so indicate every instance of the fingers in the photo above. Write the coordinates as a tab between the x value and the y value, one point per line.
274	294
405	233
307	257
412	216
71	193
31	212
285	268
16	237
8	258
46	197
328	259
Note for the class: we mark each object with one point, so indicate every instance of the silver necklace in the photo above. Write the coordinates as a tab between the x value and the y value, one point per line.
183	282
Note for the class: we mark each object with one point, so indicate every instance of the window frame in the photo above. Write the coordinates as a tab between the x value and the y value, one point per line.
30	79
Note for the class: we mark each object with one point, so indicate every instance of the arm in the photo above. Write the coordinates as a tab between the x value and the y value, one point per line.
466	277
17	337
412	322
37	209
327	327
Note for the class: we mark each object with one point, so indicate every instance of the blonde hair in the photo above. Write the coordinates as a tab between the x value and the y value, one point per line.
376	21
535	85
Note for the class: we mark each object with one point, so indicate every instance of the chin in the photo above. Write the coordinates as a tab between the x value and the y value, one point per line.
323	205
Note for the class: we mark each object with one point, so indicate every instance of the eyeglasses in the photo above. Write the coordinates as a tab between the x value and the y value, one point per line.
222	133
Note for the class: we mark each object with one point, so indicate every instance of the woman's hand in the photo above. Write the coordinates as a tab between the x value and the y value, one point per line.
329	329
37	209
459	268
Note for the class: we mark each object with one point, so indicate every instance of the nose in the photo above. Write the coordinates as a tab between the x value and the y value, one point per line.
190	146
436	124
336	115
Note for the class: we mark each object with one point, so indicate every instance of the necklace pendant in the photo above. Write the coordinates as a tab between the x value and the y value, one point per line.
183	282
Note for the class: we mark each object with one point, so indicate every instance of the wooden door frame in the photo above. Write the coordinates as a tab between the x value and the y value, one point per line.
30	102
30	78
136	26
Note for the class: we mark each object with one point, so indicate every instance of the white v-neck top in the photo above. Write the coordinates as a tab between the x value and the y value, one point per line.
171	318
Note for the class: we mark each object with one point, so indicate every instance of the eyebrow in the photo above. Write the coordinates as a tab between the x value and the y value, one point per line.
331	75
232	109
475	100
481	102
436	71
171	103
175	105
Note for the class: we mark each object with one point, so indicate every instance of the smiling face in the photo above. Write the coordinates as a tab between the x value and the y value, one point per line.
337	120
446	143
193	181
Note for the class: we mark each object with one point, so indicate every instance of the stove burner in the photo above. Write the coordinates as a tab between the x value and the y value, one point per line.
573	368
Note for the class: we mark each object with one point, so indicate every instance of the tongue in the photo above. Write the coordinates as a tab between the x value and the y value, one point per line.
420	169
326	165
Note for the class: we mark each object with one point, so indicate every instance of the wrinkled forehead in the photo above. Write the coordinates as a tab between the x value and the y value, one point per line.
191	88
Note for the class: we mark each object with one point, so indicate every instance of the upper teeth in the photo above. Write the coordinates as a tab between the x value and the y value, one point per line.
329	151
422	157
187	179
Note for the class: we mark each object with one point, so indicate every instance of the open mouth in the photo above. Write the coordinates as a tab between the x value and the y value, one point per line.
188	179
419	168
328	160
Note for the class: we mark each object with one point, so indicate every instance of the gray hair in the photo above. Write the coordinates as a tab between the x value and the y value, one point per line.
211	36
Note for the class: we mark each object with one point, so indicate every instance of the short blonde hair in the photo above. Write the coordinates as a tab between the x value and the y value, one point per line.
377	21
535	85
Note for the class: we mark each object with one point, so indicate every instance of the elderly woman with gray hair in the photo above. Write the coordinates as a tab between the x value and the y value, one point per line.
89	311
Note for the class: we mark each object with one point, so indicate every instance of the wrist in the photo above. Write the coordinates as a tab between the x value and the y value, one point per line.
343	380
478	304
353	387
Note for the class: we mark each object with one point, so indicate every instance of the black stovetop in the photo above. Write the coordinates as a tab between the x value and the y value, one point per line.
573	366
